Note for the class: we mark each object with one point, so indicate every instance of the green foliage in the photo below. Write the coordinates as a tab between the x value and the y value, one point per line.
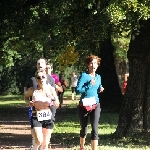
9	50
121	44
34	29
124	18
125	14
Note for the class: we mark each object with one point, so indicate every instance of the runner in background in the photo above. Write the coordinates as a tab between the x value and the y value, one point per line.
49	69
124	87
59	88
64	85
74	80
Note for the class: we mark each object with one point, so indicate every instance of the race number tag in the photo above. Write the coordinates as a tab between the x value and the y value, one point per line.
44	115
89	101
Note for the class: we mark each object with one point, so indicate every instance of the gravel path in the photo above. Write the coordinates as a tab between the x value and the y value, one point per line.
15	129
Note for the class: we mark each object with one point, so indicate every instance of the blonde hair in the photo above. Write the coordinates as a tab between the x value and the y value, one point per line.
38	71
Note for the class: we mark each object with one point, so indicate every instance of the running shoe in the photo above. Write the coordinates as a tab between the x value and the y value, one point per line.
31	147
49	144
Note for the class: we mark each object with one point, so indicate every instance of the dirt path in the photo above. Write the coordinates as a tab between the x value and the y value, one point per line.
15	129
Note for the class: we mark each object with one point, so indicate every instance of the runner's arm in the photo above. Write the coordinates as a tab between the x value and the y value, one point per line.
28	84
59	87
55	97
28	94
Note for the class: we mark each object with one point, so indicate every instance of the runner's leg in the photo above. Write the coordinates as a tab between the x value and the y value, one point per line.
46	136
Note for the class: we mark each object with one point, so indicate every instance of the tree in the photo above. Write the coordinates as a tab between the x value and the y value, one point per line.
112	94
69	57
135	114
133	17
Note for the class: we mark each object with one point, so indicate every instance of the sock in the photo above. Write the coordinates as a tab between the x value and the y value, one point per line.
72	96
33	141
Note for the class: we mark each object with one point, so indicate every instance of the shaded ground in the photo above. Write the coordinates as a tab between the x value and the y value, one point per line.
15	128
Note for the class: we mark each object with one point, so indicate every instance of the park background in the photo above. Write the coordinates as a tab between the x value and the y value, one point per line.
65	32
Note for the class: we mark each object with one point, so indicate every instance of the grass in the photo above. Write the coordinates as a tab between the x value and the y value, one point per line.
11	101
67	128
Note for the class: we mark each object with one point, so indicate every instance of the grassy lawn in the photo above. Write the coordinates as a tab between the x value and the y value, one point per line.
11	101
66	131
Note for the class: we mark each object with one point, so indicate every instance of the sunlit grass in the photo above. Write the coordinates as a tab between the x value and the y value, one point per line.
11	101
66	132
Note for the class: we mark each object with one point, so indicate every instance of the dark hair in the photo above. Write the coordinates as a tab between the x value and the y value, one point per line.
51	64
90	59
44	59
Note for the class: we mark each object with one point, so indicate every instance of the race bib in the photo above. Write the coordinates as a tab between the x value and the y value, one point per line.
88	101
44	115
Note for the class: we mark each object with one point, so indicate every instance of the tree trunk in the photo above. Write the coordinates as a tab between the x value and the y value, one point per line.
135	113
112	94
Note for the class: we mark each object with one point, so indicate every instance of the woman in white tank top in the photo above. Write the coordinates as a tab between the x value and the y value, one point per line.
43	96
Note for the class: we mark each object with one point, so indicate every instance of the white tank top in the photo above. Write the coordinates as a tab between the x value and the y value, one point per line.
38	97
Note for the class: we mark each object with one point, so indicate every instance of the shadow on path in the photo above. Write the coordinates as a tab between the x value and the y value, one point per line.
15	129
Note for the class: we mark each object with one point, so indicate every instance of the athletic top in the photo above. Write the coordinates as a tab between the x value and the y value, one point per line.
55	77
85	87
38	97
74	80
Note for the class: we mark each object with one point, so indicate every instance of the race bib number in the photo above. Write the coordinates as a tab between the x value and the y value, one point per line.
88	101
44	115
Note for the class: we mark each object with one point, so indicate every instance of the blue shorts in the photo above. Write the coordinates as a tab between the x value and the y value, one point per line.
30	114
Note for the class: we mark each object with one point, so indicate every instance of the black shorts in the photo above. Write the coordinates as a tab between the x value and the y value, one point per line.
48	124
73	89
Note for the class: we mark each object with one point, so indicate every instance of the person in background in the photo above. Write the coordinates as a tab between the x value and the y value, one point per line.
49	69
64	85
74	80
59	88
31	82
125	85
89	85
42	123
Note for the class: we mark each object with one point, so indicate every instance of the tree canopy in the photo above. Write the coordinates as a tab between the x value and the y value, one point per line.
66	32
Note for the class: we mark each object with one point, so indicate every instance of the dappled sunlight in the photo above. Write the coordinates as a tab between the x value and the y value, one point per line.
15	127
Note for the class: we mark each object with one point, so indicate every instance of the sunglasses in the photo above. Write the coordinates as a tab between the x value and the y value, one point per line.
40	77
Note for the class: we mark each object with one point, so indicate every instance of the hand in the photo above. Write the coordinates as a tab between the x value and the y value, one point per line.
101	89
92	81
31	104
49	96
